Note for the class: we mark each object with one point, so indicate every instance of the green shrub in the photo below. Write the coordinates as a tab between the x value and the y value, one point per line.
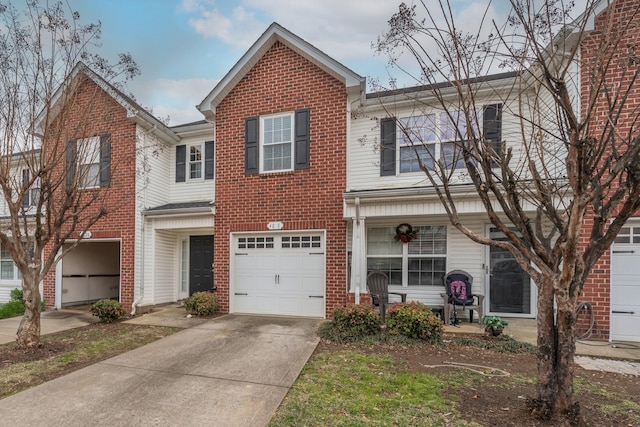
108	310
414	320
354	322
16	295
11	309
201	304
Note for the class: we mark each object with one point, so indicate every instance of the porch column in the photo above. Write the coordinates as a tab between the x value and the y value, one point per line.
358	266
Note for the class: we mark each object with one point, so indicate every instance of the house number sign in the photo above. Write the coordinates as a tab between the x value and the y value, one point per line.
275	225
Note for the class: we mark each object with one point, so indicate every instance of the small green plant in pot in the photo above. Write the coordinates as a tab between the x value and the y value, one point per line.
494	325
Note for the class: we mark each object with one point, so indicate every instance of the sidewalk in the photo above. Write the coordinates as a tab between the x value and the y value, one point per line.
50	322
173	315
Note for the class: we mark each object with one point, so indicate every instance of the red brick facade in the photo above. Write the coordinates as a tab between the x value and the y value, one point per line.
309	199
93	112
597	288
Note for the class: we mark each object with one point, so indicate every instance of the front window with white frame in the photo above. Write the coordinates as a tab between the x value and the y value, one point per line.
276	142
89	162
195	161
420	262
8	269
430	138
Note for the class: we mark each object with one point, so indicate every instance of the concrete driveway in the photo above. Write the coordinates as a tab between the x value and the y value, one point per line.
229	371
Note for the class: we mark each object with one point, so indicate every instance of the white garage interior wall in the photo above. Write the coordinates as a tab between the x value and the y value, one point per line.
90	272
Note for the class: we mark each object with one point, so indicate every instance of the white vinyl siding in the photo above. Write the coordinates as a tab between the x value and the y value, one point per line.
193	189
364	148
164	277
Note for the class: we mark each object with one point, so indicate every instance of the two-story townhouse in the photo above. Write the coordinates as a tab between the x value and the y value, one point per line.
613	285
177	211
20	175
387	193
308	194
282	117
157	191
105	134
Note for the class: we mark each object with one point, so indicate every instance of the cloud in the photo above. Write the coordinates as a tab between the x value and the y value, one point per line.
174	98
343	29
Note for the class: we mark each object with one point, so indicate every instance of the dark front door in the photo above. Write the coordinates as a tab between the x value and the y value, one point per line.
200	263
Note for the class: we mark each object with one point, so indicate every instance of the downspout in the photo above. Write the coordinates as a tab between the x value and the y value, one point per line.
357	243
142	221
139	299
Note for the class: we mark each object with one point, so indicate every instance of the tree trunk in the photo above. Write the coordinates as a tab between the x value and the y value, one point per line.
29	330
556	350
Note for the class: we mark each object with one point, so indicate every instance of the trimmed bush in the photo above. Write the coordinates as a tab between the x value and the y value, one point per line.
201	304
108	310
16	294
414	320
11	309
355	321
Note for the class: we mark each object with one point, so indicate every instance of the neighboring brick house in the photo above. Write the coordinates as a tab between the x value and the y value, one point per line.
613	286
106	137
282	116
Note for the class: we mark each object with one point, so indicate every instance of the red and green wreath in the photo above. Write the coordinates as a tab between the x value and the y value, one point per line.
405	233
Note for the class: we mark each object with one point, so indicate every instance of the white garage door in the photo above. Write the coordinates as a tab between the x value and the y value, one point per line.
625	285
280	274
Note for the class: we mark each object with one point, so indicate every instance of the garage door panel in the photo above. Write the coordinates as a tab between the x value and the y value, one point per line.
625	295
625	285
626	327
281	278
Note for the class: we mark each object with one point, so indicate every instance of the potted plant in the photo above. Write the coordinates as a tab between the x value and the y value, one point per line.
494	325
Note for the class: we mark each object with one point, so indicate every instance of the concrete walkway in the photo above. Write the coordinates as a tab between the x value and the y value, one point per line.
50	322
229	371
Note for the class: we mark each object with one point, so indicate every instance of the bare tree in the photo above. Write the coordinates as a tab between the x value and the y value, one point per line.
46	100
563	181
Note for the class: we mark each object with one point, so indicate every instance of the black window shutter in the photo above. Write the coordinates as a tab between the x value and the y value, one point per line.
105	159
208	159
71	156
25	188
251	159
492	126
301	139
388	147
181	163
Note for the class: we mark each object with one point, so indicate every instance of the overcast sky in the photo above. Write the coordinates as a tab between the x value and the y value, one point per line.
184	47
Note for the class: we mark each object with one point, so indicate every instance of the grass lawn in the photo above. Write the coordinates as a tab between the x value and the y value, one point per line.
67	351
357	389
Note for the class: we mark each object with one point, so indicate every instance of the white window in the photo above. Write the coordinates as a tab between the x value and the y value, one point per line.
628	235
276	142
421	262
8	269
89	162
32	194
195	161
184	266
430	138
255	243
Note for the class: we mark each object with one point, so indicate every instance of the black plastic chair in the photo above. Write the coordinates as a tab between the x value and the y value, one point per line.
378	286
458	298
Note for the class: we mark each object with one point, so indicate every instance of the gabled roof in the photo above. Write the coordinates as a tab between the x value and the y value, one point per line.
134	111
355	84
